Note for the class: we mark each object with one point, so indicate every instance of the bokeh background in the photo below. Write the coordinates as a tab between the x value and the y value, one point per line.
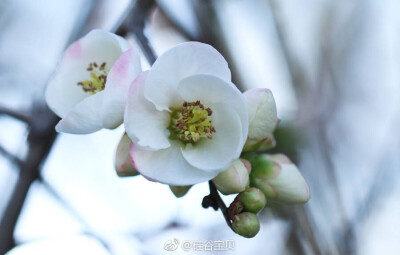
333	67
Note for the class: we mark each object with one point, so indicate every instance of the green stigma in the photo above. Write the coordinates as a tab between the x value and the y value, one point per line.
98	78
191	123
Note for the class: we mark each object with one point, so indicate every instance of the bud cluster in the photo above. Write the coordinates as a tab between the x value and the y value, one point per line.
243	210
255	179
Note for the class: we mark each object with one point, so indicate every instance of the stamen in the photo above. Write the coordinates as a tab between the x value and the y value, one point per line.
98	78
191	123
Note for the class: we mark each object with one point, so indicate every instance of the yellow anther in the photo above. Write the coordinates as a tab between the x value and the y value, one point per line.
98	78
191	122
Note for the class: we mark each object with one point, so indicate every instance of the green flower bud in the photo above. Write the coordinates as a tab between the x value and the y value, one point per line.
253	200
236	207
122	163
179	191
246	224
235	179
278	178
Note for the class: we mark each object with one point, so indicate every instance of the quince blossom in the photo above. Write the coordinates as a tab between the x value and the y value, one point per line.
186	119
89	89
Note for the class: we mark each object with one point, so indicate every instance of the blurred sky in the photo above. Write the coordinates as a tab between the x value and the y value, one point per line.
333	67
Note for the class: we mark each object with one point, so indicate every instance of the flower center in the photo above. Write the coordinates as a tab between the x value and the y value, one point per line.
98	78
191	123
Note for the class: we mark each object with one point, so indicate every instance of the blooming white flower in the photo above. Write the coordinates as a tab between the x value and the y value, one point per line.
186	119
263	119
89	89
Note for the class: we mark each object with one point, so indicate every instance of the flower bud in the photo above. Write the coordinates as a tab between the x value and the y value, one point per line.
179	191
253	200
278	178
246	224
254	144
263	119
235	179
235	207
123	164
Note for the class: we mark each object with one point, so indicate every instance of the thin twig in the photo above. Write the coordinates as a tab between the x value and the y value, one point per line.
135	24
214	200
40	139
52	191
14	159
14	114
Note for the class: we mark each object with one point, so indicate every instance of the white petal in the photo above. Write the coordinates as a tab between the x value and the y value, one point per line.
262	112
210	90
121	75
62	92
218	153
167	166
145	125
181	61
84	118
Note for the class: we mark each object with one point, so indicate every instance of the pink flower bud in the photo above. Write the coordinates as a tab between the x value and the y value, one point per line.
235	179
123	163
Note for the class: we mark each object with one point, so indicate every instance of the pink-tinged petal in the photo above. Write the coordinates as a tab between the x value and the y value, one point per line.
74	52
84	118
218	153
210	89
246	164
182	61
121	75
122	162
146	126
280	158
168	166
97	46
62	92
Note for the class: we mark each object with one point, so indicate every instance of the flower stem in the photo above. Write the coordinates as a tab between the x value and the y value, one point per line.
214	200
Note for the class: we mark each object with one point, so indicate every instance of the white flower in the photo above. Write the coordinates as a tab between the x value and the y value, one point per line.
263	119
186	119
89	89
